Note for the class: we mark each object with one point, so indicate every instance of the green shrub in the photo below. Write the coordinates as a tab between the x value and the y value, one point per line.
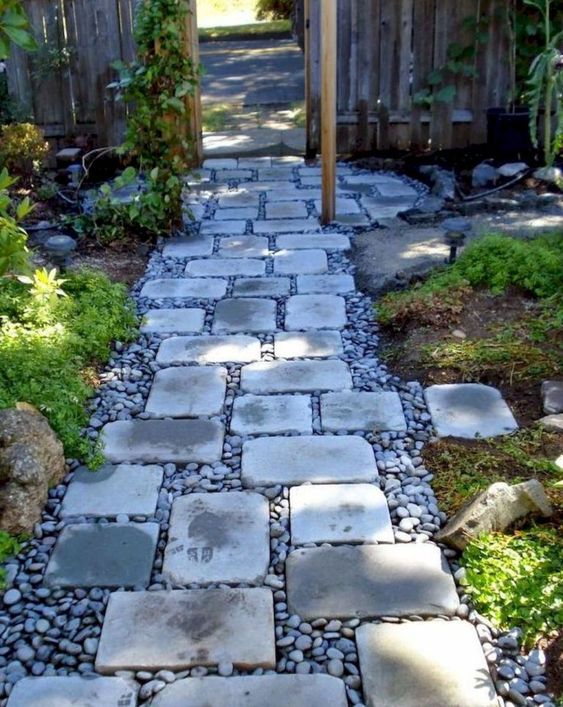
274	9
23	148
14	255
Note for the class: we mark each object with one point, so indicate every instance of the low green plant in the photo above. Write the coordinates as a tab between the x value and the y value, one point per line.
9	546
516	580
14	254
14	27
23	148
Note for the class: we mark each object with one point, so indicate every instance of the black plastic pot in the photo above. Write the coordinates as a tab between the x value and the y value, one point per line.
508	133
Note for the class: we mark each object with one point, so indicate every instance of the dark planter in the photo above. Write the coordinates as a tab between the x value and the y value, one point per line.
508	133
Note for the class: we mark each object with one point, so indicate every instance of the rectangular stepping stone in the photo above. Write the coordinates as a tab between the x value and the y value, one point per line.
297	460
173	321
325	284
315	312
339	513
362	411
188	247
307	344
290	262
328	241
162	441
372	178
343	206
395	189
183	288
275	174
240	198
227	175
295	376
311	181
368	581
271	414
220	163
254	691
218	537
261	287
244	315
424	664
187	392
286	209
74	691
254	162
209	349
176	630
244	247
286	225
103	555
469	410
292	194
127	488
219	228
234	214
220	267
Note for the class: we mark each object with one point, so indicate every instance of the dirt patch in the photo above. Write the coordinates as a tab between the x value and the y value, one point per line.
553	648
121	263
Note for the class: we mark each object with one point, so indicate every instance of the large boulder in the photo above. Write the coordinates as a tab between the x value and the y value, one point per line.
494	509
31	460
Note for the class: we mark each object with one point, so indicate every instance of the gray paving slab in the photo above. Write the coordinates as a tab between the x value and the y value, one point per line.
299	241
362	411
244	247
103	555
296	460
292	194
339	513
220	163
254	691
367	581
292	262
261	287
286	209
236	213
228	175
372	178
219	537
275	174
162	441
254	162
188	247
170	321
244	315
469	410
325	284
225	267
179	629
315	312
239	198
183	288
187	392
286	225
307	344
312	181
396	189
295	376
343	206
221	228
126	488
73	691
424	664
271	414
209	349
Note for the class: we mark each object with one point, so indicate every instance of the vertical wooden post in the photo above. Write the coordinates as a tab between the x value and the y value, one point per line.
194	102
328	109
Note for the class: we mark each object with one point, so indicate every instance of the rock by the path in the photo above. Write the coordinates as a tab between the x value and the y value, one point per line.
108	555
209	349
469	410
551	175
295	460
222	267
362	411
295	376
307	344
368	581
315	312
188	247
169	321
512	169
187	392
325	284
424	664
292	262
221	537
552	422
271	414
128	488
261	287
255	691
339	513
31	461
179	629
495	509
483	175
297	241
244	315
178	288
73	691
552	397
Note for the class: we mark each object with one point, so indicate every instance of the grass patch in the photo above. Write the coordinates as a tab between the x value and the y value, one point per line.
214	116
9	546
274	29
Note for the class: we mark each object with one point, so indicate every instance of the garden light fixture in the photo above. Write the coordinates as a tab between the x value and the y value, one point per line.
456	232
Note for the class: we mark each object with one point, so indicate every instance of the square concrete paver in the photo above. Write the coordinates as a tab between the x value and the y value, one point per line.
424	665
286	209
184	288
162	441
219	537
225	267
325	284
362	411
187	392
74	691
221	228
315	312
244	315
103	555
296	460
173	321
180	629
291	262
254	691
261	287
209	349
368	581
300	241
469	410
271	414
188	247
339	513
295	376
127	488
286	225
307	344
244	247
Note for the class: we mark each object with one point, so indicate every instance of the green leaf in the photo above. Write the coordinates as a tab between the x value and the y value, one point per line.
446	94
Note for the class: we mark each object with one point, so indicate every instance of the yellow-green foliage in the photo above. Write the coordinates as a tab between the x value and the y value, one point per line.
23	148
